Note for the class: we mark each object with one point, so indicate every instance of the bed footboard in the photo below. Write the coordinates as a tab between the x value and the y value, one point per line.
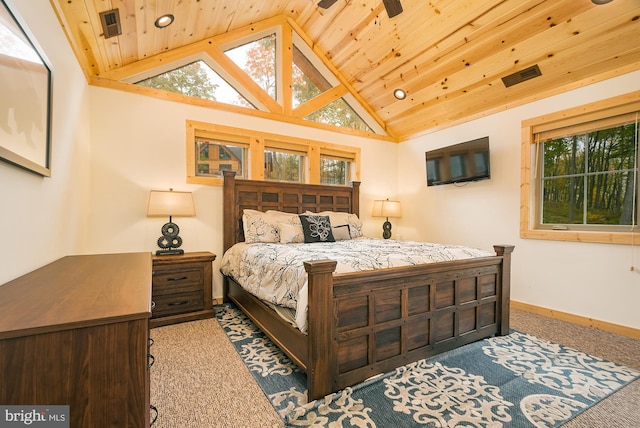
365	323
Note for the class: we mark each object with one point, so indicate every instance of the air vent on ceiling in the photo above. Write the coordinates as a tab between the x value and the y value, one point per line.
110	23
521	76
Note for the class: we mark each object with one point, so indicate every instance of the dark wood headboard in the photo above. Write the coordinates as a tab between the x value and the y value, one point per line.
294	198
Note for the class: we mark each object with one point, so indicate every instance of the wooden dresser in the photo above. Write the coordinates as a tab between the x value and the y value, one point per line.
76	332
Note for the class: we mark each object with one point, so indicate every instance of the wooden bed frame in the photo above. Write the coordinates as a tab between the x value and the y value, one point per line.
370	322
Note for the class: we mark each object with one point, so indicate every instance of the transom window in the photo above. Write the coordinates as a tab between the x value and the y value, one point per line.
283	166
334	170
580	173
213	156
212	149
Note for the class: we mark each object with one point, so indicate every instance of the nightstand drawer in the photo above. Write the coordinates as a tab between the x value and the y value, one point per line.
177	277
172	304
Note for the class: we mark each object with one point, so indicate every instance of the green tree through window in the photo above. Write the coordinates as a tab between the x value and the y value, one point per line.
191	80
591	178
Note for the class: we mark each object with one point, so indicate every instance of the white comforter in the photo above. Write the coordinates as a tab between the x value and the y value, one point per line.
275	273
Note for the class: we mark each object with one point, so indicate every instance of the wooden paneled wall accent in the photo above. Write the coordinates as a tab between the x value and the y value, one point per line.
452	72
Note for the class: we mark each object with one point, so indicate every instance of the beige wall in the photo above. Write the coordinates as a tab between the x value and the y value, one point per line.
43	219
590	280
139	144
110	148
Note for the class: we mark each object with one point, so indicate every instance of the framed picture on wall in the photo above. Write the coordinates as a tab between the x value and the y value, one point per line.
25	100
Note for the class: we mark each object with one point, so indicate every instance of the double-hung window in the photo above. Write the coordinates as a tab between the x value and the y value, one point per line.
580	173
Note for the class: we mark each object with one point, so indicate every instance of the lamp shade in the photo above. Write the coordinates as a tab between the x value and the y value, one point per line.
386	208
171	203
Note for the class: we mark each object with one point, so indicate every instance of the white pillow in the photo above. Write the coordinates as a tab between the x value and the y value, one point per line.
258	227
338	219
290	233
341	233
276	217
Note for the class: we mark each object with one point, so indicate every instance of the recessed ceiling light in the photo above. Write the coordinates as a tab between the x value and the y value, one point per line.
164	21
601	1
399	94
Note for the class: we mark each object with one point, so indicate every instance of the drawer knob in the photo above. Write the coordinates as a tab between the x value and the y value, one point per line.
178	303
177	279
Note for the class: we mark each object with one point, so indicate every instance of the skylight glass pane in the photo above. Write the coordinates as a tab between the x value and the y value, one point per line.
197	80
258	60
307	80
339	113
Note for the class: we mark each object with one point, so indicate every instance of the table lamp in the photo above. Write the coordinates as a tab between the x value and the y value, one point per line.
386	208
170	203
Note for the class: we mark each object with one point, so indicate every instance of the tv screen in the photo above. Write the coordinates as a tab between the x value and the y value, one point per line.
468	161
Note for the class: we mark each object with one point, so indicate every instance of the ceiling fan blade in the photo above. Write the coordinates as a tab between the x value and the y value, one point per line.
325	4
393	7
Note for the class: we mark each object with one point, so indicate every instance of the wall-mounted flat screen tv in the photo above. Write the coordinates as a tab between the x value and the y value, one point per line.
468	161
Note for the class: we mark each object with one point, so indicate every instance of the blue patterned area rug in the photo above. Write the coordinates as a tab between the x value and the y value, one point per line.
510	381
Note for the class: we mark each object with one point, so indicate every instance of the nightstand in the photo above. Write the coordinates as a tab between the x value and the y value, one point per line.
181	288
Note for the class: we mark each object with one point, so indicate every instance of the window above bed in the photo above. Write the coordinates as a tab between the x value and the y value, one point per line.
212	149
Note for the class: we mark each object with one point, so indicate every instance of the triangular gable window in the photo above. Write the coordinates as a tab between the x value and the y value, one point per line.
339	113
258	60
250	69
308	82
197	79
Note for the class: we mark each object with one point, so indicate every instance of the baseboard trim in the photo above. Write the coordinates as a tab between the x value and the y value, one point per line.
577	319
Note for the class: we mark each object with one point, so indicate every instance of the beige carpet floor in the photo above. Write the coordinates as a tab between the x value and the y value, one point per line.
199	381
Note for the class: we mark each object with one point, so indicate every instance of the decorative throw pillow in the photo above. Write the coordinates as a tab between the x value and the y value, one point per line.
290	233
316	228
355	224
258	228
341	233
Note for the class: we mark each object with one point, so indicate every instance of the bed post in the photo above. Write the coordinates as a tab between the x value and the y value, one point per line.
505	289
228	209
355	198
321	365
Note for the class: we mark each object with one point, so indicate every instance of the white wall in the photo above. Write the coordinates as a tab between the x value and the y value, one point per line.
44	219
139	144
590	280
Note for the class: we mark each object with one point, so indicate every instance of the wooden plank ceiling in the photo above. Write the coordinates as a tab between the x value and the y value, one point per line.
448	55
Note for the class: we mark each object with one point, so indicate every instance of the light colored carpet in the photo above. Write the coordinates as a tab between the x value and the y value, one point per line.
199	381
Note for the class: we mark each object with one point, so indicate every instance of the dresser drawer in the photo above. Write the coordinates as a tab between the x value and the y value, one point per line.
172	304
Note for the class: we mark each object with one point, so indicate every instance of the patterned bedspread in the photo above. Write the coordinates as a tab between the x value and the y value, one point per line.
275	272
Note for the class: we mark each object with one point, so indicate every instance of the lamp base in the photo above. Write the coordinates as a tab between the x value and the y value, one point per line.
171	252
386	229
169	241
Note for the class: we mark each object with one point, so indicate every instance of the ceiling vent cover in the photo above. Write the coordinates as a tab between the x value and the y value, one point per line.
110	23
521	76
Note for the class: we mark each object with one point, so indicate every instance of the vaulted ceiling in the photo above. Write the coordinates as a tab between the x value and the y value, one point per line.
448	55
